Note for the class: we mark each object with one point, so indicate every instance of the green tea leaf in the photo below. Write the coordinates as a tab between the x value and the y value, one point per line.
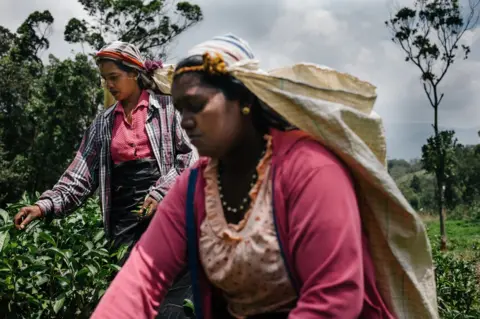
102	252
101	293
41	280
36	267
57	251
59	303
122	251
82	272
4	238
188	308
89	245
92	269
5	228
33	300
99	236
115	267
48	238
63	280
5	216
32	226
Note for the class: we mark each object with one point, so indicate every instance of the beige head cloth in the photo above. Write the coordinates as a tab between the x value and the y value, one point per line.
153	73
337	110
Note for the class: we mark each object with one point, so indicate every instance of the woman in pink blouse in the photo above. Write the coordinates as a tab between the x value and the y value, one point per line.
267	220
132	152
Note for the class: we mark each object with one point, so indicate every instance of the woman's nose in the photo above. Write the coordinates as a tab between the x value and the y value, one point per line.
110	84
188	121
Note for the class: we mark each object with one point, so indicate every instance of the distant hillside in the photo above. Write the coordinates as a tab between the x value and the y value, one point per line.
414	182
462	187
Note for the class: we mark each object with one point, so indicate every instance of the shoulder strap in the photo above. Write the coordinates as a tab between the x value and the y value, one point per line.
282	245
192	249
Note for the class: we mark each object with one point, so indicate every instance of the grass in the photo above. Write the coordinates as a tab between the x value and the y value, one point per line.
463	236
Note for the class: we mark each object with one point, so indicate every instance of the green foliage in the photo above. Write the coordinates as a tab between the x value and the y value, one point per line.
32	36
456	272
45	109
56	270
457	287
446	142
64	104
43	121
468	173
462	176
429	34
439	158
61	269
415	184
148	24
189	308
464	234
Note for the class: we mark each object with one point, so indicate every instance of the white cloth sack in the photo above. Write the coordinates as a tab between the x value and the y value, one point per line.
337	109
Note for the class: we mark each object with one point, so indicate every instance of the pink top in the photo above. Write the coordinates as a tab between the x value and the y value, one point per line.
318	227
244	260
130	141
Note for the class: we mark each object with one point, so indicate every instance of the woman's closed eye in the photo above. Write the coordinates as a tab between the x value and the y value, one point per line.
193	107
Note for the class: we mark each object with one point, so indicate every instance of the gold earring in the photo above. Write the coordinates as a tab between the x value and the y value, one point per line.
246	110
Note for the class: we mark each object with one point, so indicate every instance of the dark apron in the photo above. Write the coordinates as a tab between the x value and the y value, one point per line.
130	184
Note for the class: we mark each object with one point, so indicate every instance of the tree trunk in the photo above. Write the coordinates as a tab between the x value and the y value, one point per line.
441	214
440	172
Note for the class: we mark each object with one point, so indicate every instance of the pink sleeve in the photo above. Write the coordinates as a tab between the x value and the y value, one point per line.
159	256
326	245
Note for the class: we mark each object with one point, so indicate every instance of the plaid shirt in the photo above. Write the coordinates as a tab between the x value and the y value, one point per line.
91	166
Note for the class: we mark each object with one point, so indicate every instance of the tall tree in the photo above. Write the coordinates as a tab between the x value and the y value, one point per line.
32	36
65	102
149	24
429	33
44	110
20	66
6	40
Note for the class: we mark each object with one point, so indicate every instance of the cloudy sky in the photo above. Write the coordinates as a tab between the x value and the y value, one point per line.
348	35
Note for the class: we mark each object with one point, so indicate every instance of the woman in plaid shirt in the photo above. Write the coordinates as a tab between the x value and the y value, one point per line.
133	151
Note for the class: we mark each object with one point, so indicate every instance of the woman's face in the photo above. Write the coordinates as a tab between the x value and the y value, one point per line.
213	123
121	84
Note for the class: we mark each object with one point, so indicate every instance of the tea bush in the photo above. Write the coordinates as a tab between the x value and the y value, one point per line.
54	270
458	287
61	269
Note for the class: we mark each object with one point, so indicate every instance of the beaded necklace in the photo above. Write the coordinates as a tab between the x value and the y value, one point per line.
245	203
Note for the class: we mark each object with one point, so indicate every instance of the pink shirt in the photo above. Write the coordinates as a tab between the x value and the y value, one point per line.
130	141
318	227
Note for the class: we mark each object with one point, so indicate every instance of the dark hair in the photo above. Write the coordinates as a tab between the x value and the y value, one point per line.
263	116
127	69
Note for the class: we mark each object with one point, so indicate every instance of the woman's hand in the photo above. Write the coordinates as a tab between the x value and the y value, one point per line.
149	206
26	215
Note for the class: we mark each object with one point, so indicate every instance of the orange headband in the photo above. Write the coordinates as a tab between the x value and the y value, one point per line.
120	56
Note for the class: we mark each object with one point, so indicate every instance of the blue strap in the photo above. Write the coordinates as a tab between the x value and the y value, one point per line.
279	240
192	249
